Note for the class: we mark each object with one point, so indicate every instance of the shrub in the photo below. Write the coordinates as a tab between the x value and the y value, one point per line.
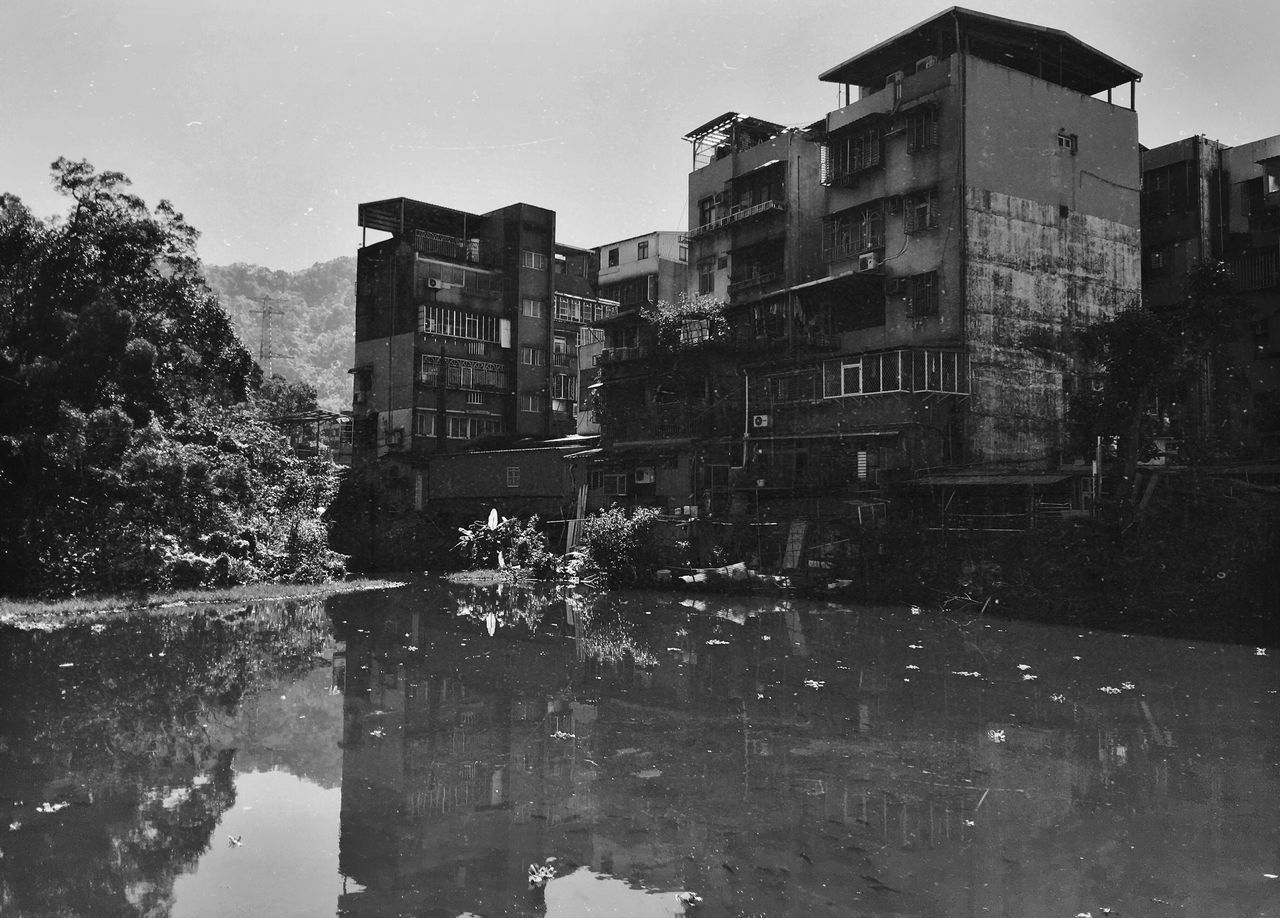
521	544
621	545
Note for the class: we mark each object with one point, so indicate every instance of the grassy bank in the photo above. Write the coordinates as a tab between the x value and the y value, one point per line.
50	614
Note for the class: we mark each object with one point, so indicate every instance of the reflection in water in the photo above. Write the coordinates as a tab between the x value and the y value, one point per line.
117	744
788	758
415	751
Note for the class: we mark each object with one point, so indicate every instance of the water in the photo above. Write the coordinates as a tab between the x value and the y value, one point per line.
415	751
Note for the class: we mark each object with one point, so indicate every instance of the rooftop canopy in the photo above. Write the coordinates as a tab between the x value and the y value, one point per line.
1050	54
401	215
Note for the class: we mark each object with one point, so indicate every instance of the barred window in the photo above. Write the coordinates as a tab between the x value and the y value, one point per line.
922	294
456	323
513	476
850	152
866	374
462	374
853	231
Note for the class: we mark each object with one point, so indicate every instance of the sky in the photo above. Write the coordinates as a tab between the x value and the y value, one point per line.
266	122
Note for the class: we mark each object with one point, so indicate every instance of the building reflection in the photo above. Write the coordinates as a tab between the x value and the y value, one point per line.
790	761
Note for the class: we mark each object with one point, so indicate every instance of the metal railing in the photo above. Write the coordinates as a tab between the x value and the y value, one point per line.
736	214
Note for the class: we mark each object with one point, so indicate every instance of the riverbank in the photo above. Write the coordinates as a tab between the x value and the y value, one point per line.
48	615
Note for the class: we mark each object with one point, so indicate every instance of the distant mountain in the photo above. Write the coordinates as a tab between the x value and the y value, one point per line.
312	325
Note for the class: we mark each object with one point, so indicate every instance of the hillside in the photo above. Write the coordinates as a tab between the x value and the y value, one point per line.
312	325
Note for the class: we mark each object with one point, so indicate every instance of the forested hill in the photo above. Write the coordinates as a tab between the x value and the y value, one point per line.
312	325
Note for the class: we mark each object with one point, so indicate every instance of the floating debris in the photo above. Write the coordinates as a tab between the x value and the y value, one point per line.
379	733
648	773
539	874
912	666
235	841
916	646
996	736
1260	652
52	807
814	683
961	672
1028	677
689	900
1024	666
560	734
1127	686
717	641
1057	698
1109	690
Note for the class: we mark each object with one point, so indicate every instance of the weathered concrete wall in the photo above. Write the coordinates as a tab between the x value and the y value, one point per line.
479	479
1034	278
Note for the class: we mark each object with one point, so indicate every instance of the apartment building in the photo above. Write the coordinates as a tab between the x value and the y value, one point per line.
903	276
637	273
467	329
1205	201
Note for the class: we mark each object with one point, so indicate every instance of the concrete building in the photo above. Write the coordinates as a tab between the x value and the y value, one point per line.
902	277
1203	201
466	329
636	273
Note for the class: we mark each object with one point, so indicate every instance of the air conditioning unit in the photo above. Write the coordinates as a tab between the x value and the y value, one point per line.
433	283
868	261
644	475
760	421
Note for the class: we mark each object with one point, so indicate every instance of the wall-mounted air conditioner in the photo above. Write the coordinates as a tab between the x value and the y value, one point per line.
644	475
868	261
433	283
760	421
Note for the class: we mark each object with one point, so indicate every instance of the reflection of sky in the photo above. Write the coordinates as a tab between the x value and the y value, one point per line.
587	894
287	863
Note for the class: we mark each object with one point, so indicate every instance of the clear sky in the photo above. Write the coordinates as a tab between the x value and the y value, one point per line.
267	121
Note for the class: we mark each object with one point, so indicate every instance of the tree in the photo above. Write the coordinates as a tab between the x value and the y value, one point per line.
1142	352
124	459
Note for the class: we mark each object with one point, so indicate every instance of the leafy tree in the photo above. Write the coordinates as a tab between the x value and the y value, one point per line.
1142	352
129	456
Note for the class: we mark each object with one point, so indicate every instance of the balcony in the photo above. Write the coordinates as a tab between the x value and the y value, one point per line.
740	285
621	354
736	214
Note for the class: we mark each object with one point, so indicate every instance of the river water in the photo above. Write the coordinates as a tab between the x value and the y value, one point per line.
414	751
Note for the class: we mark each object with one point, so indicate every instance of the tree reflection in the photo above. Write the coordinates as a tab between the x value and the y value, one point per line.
109	757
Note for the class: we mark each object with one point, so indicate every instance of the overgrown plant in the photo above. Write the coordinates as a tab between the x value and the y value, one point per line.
621	545
521	544
689	321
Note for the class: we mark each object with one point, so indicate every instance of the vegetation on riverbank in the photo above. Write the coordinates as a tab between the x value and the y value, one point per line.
135	447
46	615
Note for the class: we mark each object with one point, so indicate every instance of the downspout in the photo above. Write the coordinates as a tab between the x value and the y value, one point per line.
746	414
962	192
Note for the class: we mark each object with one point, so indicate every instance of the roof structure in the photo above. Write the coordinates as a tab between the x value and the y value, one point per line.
1050	54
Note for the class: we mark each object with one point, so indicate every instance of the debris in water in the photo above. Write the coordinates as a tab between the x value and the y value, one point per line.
1028	677
717	641
648	773
814	683
689	900
1260	652
379	733
560	734
539	874
996	736
1057	698
52	807
1127	686
1109	690
234	841
1024	666
912	666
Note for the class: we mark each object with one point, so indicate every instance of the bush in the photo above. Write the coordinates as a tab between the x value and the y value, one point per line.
520	544
622	545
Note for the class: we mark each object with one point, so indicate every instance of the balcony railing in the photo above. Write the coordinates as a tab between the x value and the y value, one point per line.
619	354
750	281
736	214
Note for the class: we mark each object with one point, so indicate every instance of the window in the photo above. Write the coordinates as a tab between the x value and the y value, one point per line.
922	295
595	479
437	275
642	250
454	323
706	210
613	258
561	351
615	482
707	276
424	423
562	386
459	428
920	211
922	128
1160	261
684	252
533	356
465	427
475	398
460	373
1068	142
533	401
535	260
866	374
851	152
513	476
531	308
794	387
853	231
